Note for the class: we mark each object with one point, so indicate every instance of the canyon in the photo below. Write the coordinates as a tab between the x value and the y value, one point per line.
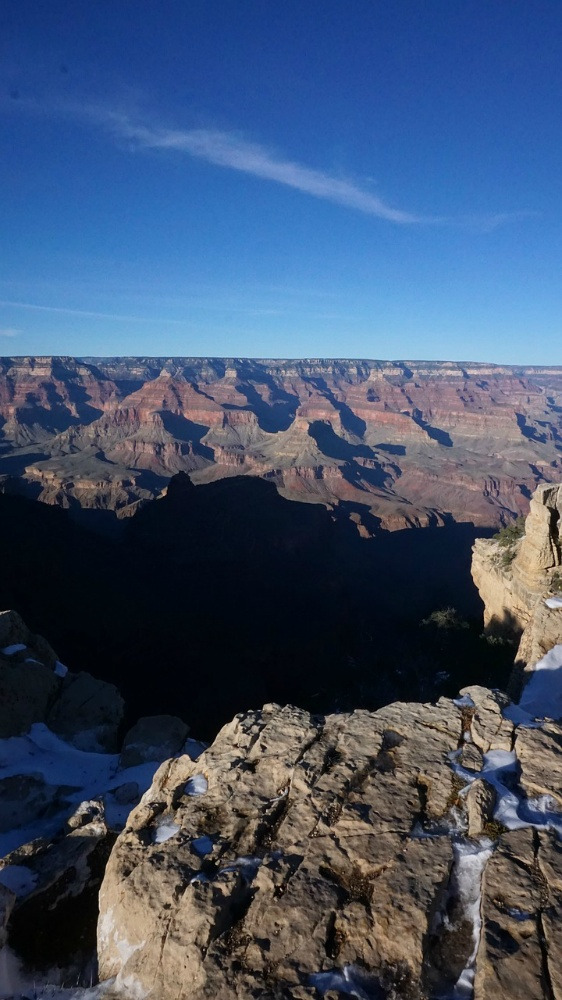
385	444
394	837
403	853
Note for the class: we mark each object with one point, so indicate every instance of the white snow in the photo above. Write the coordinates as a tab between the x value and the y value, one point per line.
19	878
108	934
246	866
465	701
345	981
130	987
278	798
200	877
553	602
202	845
17	984
453	823
16	647
197	785
512	808
165	829
520	915
60	669
542	694
194	748
86	775
470	859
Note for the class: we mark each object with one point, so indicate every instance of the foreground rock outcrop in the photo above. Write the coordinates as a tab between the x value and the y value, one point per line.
302	857
410	853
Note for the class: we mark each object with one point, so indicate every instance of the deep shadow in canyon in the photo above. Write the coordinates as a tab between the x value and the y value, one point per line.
218	598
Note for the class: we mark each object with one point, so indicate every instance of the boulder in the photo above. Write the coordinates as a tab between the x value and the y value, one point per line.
287	851
14	632
488	728
27	690
479	802
28	683
7	900
26	798
155	737
87	712
56	885
514	592
539	752
540	548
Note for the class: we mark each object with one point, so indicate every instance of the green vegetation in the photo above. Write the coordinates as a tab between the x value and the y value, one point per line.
494	639
445	618
509	534
457	786
493	829
506	538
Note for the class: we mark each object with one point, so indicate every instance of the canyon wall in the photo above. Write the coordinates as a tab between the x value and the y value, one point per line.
391	444
520	578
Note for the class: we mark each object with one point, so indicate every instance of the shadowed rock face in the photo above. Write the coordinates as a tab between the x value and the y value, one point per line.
396	444
36	687
221	597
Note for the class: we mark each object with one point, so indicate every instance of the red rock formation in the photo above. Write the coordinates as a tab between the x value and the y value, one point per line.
405	442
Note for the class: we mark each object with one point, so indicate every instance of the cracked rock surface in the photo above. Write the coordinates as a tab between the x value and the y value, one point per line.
286	851
520	955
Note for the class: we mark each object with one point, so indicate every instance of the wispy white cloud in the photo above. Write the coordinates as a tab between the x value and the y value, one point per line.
9	331
231	150
190	303
85	312
226	149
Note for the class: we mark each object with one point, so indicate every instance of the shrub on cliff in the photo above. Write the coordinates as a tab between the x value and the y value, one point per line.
511	532
445	618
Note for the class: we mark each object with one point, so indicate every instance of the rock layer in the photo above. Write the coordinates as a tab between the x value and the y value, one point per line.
299	856
407	443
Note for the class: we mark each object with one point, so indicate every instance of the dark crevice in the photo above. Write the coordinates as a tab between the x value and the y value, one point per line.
442	437
231	916
333	937
269	826
294	861
448	943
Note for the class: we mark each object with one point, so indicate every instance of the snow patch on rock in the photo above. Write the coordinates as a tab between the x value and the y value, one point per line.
197	785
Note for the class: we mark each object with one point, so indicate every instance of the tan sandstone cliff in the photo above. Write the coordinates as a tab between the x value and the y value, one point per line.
516	579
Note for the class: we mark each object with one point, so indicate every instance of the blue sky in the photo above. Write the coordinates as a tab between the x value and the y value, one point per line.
327	178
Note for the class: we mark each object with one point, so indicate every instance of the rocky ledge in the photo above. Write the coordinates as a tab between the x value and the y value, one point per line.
302	857
411	853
